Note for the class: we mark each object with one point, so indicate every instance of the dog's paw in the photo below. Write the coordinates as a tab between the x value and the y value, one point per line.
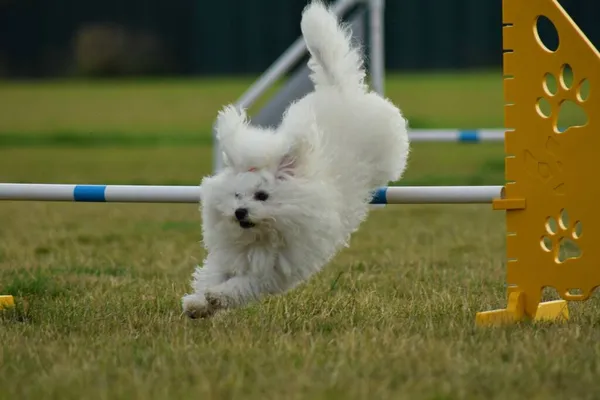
218	301
195	306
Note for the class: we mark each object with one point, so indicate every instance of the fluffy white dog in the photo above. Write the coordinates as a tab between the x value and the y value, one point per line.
289	198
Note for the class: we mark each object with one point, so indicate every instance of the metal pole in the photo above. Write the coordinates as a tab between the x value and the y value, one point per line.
456	135
377	50
287	60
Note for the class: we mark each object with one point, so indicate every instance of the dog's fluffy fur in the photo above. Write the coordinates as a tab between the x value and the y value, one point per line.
290	197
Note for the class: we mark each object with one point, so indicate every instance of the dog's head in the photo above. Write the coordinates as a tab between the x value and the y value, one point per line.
267	180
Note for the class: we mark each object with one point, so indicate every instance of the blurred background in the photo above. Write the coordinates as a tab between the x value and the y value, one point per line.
66	38
117	74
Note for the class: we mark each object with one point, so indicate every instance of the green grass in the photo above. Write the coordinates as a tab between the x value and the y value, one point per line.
98	286
75	112
181	112
432	164
98	289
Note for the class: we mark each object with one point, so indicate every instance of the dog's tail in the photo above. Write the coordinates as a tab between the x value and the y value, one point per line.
334	61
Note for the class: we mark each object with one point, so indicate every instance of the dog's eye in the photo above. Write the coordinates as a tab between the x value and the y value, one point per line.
261	195
238	196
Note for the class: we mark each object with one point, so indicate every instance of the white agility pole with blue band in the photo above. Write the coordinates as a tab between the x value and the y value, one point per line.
100	193
456	135
192	194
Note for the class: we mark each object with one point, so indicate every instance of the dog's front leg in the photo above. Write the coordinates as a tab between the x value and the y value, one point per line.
195	304
241	290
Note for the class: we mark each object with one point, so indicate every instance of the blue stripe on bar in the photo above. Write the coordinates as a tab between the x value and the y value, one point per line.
380	196
468	136
89	193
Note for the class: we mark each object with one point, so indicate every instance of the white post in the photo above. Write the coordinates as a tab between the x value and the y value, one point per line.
377	51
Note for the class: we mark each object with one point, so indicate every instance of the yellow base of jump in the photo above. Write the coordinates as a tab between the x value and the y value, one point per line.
6	302
555	311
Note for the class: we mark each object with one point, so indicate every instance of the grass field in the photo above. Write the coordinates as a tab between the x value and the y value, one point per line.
182	108
392	317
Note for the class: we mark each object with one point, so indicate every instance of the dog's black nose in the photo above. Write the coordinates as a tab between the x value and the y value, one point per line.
241	213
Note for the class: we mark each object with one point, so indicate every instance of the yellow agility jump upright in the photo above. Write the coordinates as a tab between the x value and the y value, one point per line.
550	196
6	302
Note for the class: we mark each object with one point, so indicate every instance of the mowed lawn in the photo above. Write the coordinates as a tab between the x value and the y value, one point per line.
98	286
189	106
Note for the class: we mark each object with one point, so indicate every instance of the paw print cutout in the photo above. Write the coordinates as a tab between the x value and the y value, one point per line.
564	100
547	167
561	237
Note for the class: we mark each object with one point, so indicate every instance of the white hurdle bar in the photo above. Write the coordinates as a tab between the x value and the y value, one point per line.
456	135
192	194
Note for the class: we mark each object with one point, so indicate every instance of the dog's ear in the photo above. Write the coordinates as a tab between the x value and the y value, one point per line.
303	150
288	166
230	122
296	160
225	159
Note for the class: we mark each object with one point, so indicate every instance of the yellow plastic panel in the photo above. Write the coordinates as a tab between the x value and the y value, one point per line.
550	168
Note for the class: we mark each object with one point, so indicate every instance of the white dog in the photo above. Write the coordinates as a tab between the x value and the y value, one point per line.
289	198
